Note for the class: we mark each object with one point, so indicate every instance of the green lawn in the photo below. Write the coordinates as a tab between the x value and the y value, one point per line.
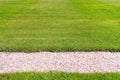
59	76
59	25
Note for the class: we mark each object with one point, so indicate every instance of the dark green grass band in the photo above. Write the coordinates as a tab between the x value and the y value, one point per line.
59	76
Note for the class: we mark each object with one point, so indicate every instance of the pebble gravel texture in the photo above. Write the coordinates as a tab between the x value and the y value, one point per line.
83	62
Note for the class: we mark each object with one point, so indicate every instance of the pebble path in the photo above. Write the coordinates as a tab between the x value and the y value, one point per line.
82	62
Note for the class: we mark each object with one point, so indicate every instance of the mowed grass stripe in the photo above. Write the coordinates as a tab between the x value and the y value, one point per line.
59	25
59	76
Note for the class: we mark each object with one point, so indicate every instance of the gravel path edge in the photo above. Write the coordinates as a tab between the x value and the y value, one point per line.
82	62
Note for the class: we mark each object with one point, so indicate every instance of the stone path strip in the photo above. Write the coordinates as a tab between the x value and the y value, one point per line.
83	62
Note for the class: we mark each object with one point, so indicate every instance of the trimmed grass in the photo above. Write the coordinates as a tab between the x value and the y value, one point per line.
59	25
59	76
112	2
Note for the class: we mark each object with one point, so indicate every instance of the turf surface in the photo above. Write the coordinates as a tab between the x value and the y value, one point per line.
59	76
59	25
